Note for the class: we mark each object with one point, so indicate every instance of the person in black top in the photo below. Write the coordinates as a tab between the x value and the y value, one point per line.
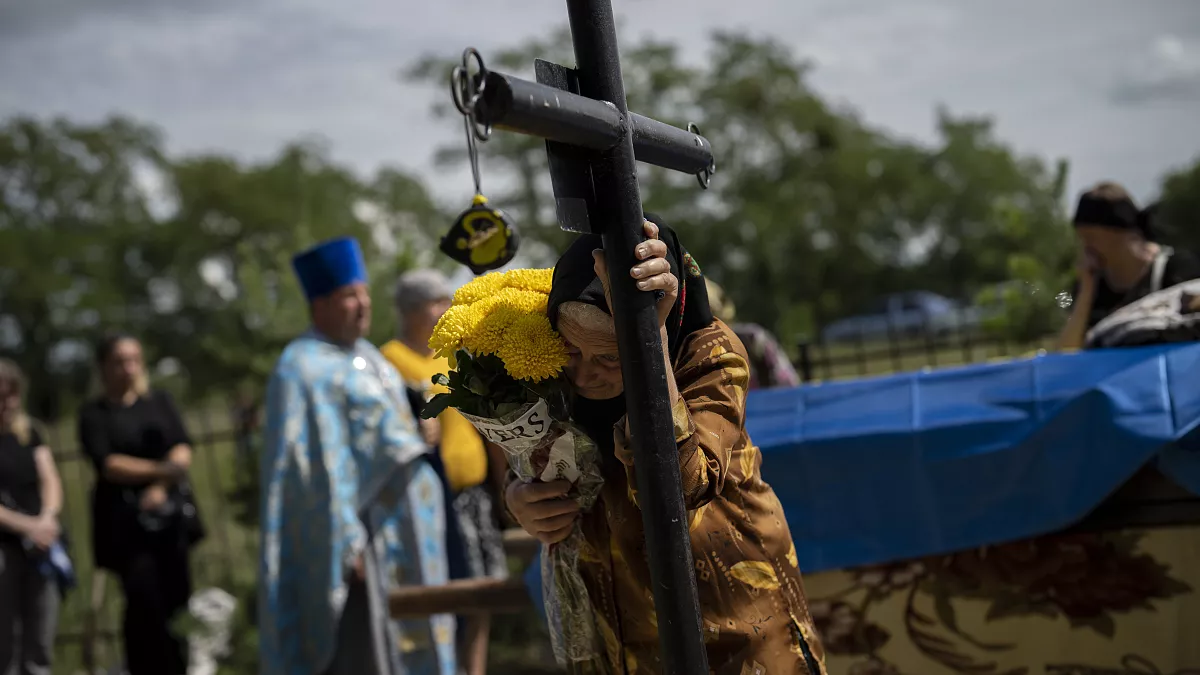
144	519
1119	261
30	500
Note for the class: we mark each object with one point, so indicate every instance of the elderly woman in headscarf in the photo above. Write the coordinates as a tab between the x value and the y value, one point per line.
755	616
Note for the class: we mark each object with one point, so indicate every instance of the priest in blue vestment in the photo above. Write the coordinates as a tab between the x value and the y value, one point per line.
351	506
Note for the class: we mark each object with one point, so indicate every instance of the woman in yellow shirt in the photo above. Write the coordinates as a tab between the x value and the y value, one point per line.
421	297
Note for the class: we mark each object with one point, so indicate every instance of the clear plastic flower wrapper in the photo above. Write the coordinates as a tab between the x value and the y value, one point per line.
507	380
540	448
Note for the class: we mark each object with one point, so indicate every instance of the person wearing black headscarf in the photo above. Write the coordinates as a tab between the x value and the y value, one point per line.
1119	260
755	616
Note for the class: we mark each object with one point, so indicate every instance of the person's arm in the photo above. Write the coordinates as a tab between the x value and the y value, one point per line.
1075	332
708	412
130	470
16	522
179	458
115	467
49	482
42	528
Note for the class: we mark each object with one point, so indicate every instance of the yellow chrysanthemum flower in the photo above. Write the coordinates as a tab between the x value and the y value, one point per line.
450	329
532	350
504	314
479	288
489	334
526	302
530	280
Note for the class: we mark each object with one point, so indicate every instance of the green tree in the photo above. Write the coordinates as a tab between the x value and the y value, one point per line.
810	204
1178	212
234	232
79	246
100	231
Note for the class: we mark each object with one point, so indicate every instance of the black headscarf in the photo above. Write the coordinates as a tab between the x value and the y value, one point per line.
1119	213
575	280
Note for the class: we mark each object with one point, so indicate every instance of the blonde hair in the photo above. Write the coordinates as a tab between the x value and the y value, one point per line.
22	424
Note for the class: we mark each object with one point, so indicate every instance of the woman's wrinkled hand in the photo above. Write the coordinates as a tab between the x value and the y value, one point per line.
543	509
652	272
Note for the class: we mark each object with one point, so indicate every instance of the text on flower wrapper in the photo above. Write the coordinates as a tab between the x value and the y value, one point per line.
546	451
526	430
535	430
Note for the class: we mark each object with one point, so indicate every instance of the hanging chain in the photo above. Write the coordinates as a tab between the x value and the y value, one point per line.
704	176
466	90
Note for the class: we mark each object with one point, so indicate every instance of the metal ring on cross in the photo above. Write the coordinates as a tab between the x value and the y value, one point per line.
465	94
703	177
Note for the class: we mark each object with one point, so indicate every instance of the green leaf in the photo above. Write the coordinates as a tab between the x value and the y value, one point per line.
436	406
477	386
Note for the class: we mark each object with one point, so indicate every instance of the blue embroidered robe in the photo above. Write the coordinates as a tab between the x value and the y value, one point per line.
340	434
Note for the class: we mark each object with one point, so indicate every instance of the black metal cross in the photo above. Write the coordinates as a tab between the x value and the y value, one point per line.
593	141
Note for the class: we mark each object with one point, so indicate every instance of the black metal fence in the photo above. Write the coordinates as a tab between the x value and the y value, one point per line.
825	360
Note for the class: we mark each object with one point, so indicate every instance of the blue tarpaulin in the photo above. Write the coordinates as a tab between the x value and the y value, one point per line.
923	463
932	462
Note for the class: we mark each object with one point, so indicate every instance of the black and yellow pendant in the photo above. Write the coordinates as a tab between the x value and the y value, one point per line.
482	238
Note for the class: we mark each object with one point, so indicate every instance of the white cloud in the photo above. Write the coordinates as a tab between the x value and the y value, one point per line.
1169	70
245	77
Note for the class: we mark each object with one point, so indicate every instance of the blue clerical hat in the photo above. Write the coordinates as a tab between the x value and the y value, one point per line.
330	265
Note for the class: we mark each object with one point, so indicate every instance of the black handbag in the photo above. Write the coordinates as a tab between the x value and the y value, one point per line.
178	515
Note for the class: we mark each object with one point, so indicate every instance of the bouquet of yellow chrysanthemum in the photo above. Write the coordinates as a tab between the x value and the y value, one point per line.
502	349
507	379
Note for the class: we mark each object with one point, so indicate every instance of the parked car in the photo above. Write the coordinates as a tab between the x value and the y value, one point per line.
904	315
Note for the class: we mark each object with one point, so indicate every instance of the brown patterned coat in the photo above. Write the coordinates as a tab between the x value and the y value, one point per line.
754	613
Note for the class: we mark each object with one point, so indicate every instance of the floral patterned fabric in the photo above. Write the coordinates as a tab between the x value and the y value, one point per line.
754	614
1118	603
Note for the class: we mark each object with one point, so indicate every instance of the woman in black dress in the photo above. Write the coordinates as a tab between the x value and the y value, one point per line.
144	519
30	500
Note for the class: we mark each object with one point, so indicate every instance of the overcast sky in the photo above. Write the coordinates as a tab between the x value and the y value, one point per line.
1112	85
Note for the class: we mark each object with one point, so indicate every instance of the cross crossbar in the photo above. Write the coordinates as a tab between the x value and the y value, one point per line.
513	104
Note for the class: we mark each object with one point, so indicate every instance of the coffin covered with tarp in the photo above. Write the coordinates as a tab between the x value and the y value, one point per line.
921	463
939	516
